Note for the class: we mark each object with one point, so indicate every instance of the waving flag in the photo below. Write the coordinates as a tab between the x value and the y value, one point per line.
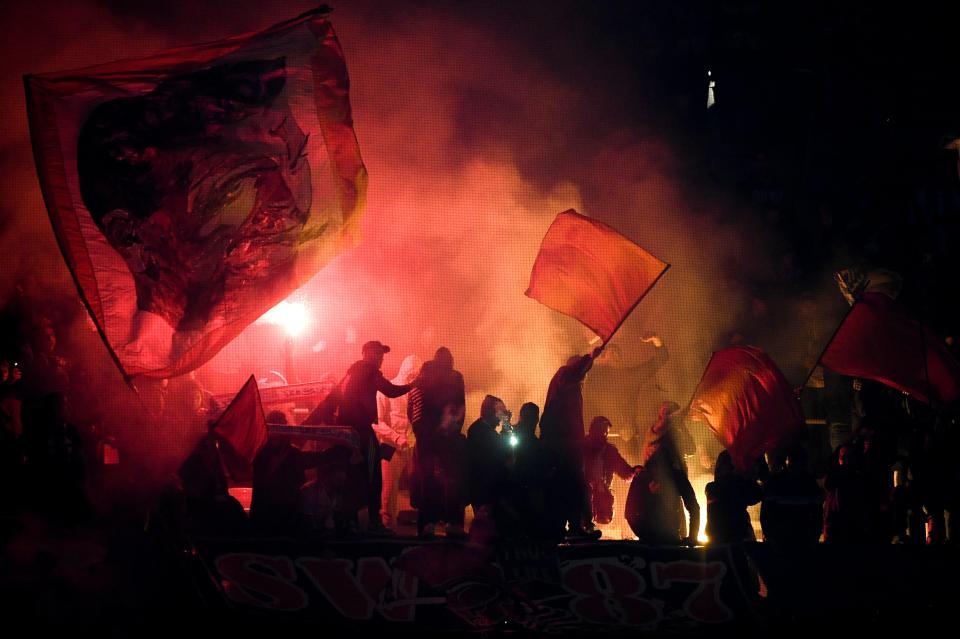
587	270
747	402
879	340
243	427
193	190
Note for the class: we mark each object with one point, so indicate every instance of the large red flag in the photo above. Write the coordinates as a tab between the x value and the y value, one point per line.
243	427
879	340
747	402
587	270
193	190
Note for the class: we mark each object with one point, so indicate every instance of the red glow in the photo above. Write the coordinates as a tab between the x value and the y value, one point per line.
292	316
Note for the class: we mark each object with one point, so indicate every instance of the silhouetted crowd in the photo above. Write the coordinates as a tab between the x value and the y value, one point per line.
892	476
545	477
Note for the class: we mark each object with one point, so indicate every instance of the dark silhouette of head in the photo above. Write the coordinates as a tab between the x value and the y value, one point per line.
599	427
374	351
277	417
492	410
724	466
444	358
529	416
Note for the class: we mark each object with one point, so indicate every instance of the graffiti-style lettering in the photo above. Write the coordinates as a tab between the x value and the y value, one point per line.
704	603
608	593
357	596
263	581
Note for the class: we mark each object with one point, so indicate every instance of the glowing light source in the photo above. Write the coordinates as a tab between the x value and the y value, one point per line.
699	483
292	316
513	440
711	85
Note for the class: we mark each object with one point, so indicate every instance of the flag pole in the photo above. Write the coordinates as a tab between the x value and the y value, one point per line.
693	393
823	351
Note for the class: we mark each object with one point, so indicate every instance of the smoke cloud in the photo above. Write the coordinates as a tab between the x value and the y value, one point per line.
478	123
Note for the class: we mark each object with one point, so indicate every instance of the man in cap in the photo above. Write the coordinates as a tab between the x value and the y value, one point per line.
358	409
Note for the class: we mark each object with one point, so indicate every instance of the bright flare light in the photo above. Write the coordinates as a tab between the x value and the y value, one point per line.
292	316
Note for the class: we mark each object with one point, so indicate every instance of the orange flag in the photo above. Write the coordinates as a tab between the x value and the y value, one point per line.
243	427
747	402
192	190
587	270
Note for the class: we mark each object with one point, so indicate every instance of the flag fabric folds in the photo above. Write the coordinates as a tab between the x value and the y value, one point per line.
747	402
243	428
193	190
879	340
589	271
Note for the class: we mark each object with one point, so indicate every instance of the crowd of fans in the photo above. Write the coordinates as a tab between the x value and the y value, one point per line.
893	475
892	478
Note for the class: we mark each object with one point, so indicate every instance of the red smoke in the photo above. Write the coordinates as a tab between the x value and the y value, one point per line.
477	125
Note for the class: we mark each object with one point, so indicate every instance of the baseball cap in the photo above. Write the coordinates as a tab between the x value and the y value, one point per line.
375	347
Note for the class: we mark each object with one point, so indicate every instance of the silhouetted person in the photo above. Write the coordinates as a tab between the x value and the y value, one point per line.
876	454
436	410
487	456
661	490
561	431
11	455
843	515
46	370
934	478
602	461
279	476
54	457
838	396
728	496
10	399
791	513
527	477
358	409
184	407
210	509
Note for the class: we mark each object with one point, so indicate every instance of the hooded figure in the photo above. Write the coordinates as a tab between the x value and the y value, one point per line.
487	454
393	425
662	489
728	496
601	461
394	429
436	410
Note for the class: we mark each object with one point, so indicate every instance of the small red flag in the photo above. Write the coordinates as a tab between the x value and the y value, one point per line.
193	190
879	340
747	402
243	427
589	271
